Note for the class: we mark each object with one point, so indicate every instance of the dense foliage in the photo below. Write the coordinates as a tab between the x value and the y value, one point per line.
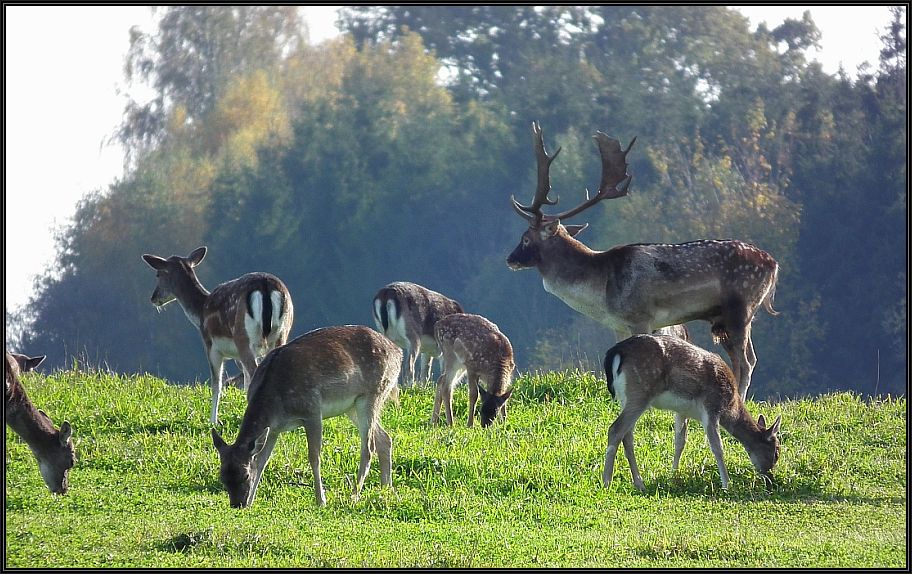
391	152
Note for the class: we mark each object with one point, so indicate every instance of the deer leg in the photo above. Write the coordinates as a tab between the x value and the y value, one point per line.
248	364
473	396
711	426
367	420
384	450
216	362
427	361
680	432
616	432
262	460
414	349
314	429
631	461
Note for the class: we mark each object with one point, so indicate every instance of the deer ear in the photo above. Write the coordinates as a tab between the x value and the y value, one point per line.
217	441
574	230
197	256
31	363
550	229
257	444
774	430
66	431
482	393
154	261
761	422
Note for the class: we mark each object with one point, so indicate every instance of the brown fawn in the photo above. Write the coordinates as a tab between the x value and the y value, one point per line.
406	313
349	370
52	448
240	319
666	372
472	345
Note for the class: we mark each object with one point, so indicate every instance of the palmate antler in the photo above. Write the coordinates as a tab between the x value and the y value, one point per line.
614	183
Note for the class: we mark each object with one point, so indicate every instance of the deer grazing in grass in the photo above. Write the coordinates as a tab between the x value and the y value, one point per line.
406	313
641	287
241	319
52	447
348	370
473	345
668	373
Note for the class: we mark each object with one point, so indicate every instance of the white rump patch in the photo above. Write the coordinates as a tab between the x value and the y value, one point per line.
620	381
276	298
396	329
253	325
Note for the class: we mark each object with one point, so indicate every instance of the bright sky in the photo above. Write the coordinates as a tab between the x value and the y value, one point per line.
65	93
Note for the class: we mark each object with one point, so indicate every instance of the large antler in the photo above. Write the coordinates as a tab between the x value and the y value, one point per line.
532	213
615	179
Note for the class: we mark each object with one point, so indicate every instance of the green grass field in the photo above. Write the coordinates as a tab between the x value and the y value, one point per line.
526	493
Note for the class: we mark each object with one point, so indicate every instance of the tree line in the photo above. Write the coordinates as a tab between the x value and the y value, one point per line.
391	152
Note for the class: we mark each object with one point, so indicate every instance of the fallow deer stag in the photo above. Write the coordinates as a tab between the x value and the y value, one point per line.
666	372
52	448
641	287
406	313
348	370
240	319
473	345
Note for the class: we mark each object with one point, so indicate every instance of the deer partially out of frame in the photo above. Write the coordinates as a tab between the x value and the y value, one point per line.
666	372
640	287
241	319
52	447
406	313
473	345
348	370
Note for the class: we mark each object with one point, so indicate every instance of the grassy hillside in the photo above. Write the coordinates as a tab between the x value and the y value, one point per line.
145	490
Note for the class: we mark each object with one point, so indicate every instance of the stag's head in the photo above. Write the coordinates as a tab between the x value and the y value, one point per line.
543	228
239	467
171	273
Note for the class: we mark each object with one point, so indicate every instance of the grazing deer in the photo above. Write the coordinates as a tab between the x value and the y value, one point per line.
668	373
472	345
348	370
241	319
406	313
53	448
640	287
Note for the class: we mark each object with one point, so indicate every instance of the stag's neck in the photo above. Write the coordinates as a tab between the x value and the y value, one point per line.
22	416
741	426
192	297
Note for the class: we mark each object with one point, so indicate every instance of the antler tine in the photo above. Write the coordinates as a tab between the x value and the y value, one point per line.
533	211
615	179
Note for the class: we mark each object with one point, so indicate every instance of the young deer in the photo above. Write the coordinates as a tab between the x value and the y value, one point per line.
666	372
641	287
348	370
471	344
406	313
241	319
53	448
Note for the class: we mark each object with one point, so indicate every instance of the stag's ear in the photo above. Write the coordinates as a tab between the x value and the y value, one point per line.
217	441
482	393
774	430
31	363
66	431
761	422
550	229
573	230
154	261
197	256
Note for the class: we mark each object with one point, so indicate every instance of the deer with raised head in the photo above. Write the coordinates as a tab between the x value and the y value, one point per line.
52	448
241	319
641	287
472	345
666	372
349	370
406	313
